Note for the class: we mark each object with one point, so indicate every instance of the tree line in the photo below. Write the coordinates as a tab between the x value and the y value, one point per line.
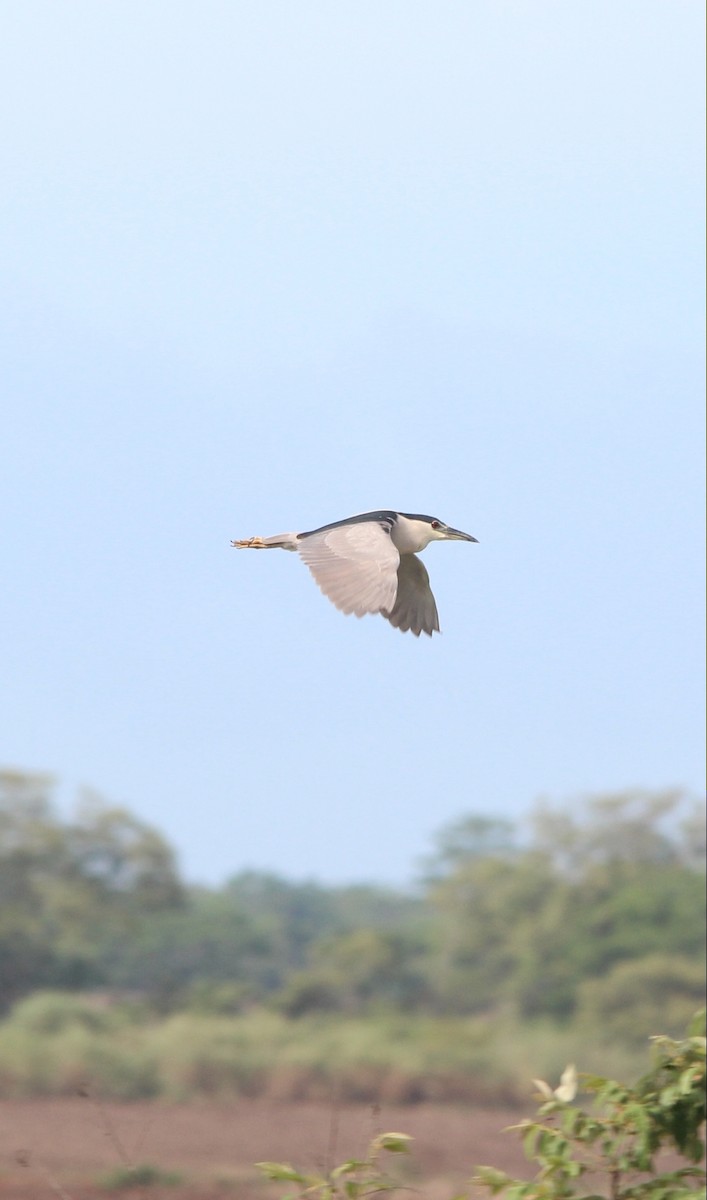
593	910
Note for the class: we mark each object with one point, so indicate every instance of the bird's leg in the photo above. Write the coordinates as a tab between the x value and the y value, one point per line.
254	543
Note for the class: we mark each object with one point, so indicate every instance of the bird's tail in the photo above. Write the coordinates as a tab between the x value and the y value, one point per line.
281	541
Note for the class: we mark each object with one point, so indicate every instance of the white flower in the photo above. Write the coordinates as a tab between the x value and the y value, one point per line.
567	1089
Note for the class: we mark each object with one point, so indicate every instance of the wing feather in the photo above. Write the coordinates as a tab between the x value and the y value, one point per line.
355	566
414	607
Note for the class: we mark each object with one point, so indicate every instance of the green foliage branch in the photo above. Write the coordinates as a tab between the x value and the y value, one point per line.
618	1141
351	1180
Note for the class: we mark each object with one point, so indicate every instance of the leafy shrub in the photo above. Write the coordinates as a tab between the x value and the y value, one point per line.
53	1012
141	1175
352	1180
393	1058
620	1138
638	997
207	997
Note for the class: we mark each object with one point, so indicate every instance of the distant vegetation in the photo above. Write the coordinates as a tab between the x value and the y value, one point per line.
509	949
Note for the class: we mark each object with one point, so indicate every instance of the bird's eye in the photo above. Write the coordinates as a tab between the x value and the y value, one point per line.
436	524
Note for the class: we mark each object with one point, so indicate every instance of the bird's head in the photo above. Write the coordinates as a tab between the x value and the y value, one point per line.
421	530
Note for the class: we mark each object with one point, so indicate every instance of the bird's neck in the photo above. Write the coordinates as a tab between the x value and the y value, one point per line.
409	536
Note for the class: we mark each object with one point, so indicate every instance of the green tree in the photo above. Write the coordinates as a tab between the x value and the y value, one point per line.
68	888
356	971
31	847
587	927
642	995
638	826
486	907
609	882
466	840
210	938
292	915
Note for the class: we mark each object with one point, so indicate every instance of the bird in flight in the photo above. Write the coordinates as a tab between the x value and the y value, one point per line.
369	564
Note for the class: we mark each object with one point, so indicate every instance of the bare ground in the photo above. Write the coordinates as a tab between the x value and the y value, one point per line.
62	1148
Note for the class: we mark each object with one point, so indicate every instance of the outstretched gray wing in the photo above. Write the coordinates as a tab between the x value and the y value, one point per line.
414	606
356	566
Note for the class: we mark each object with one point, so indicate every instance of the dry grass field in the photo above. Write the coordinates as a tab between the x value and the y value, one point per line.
63	1148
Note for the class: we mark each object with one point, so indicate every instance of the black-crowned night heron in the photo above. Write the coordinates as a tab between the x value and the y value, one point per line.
369	564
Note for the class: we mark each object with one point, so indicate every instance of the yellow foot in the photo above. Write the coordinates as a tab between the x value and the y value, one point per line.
254	543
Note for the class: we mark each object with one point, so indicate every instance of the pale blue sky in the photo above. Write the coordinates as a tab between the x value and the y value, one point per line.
265	265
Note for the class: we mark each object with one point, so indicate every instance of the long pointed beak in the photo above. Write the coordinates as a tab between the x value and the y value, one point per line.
456	535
